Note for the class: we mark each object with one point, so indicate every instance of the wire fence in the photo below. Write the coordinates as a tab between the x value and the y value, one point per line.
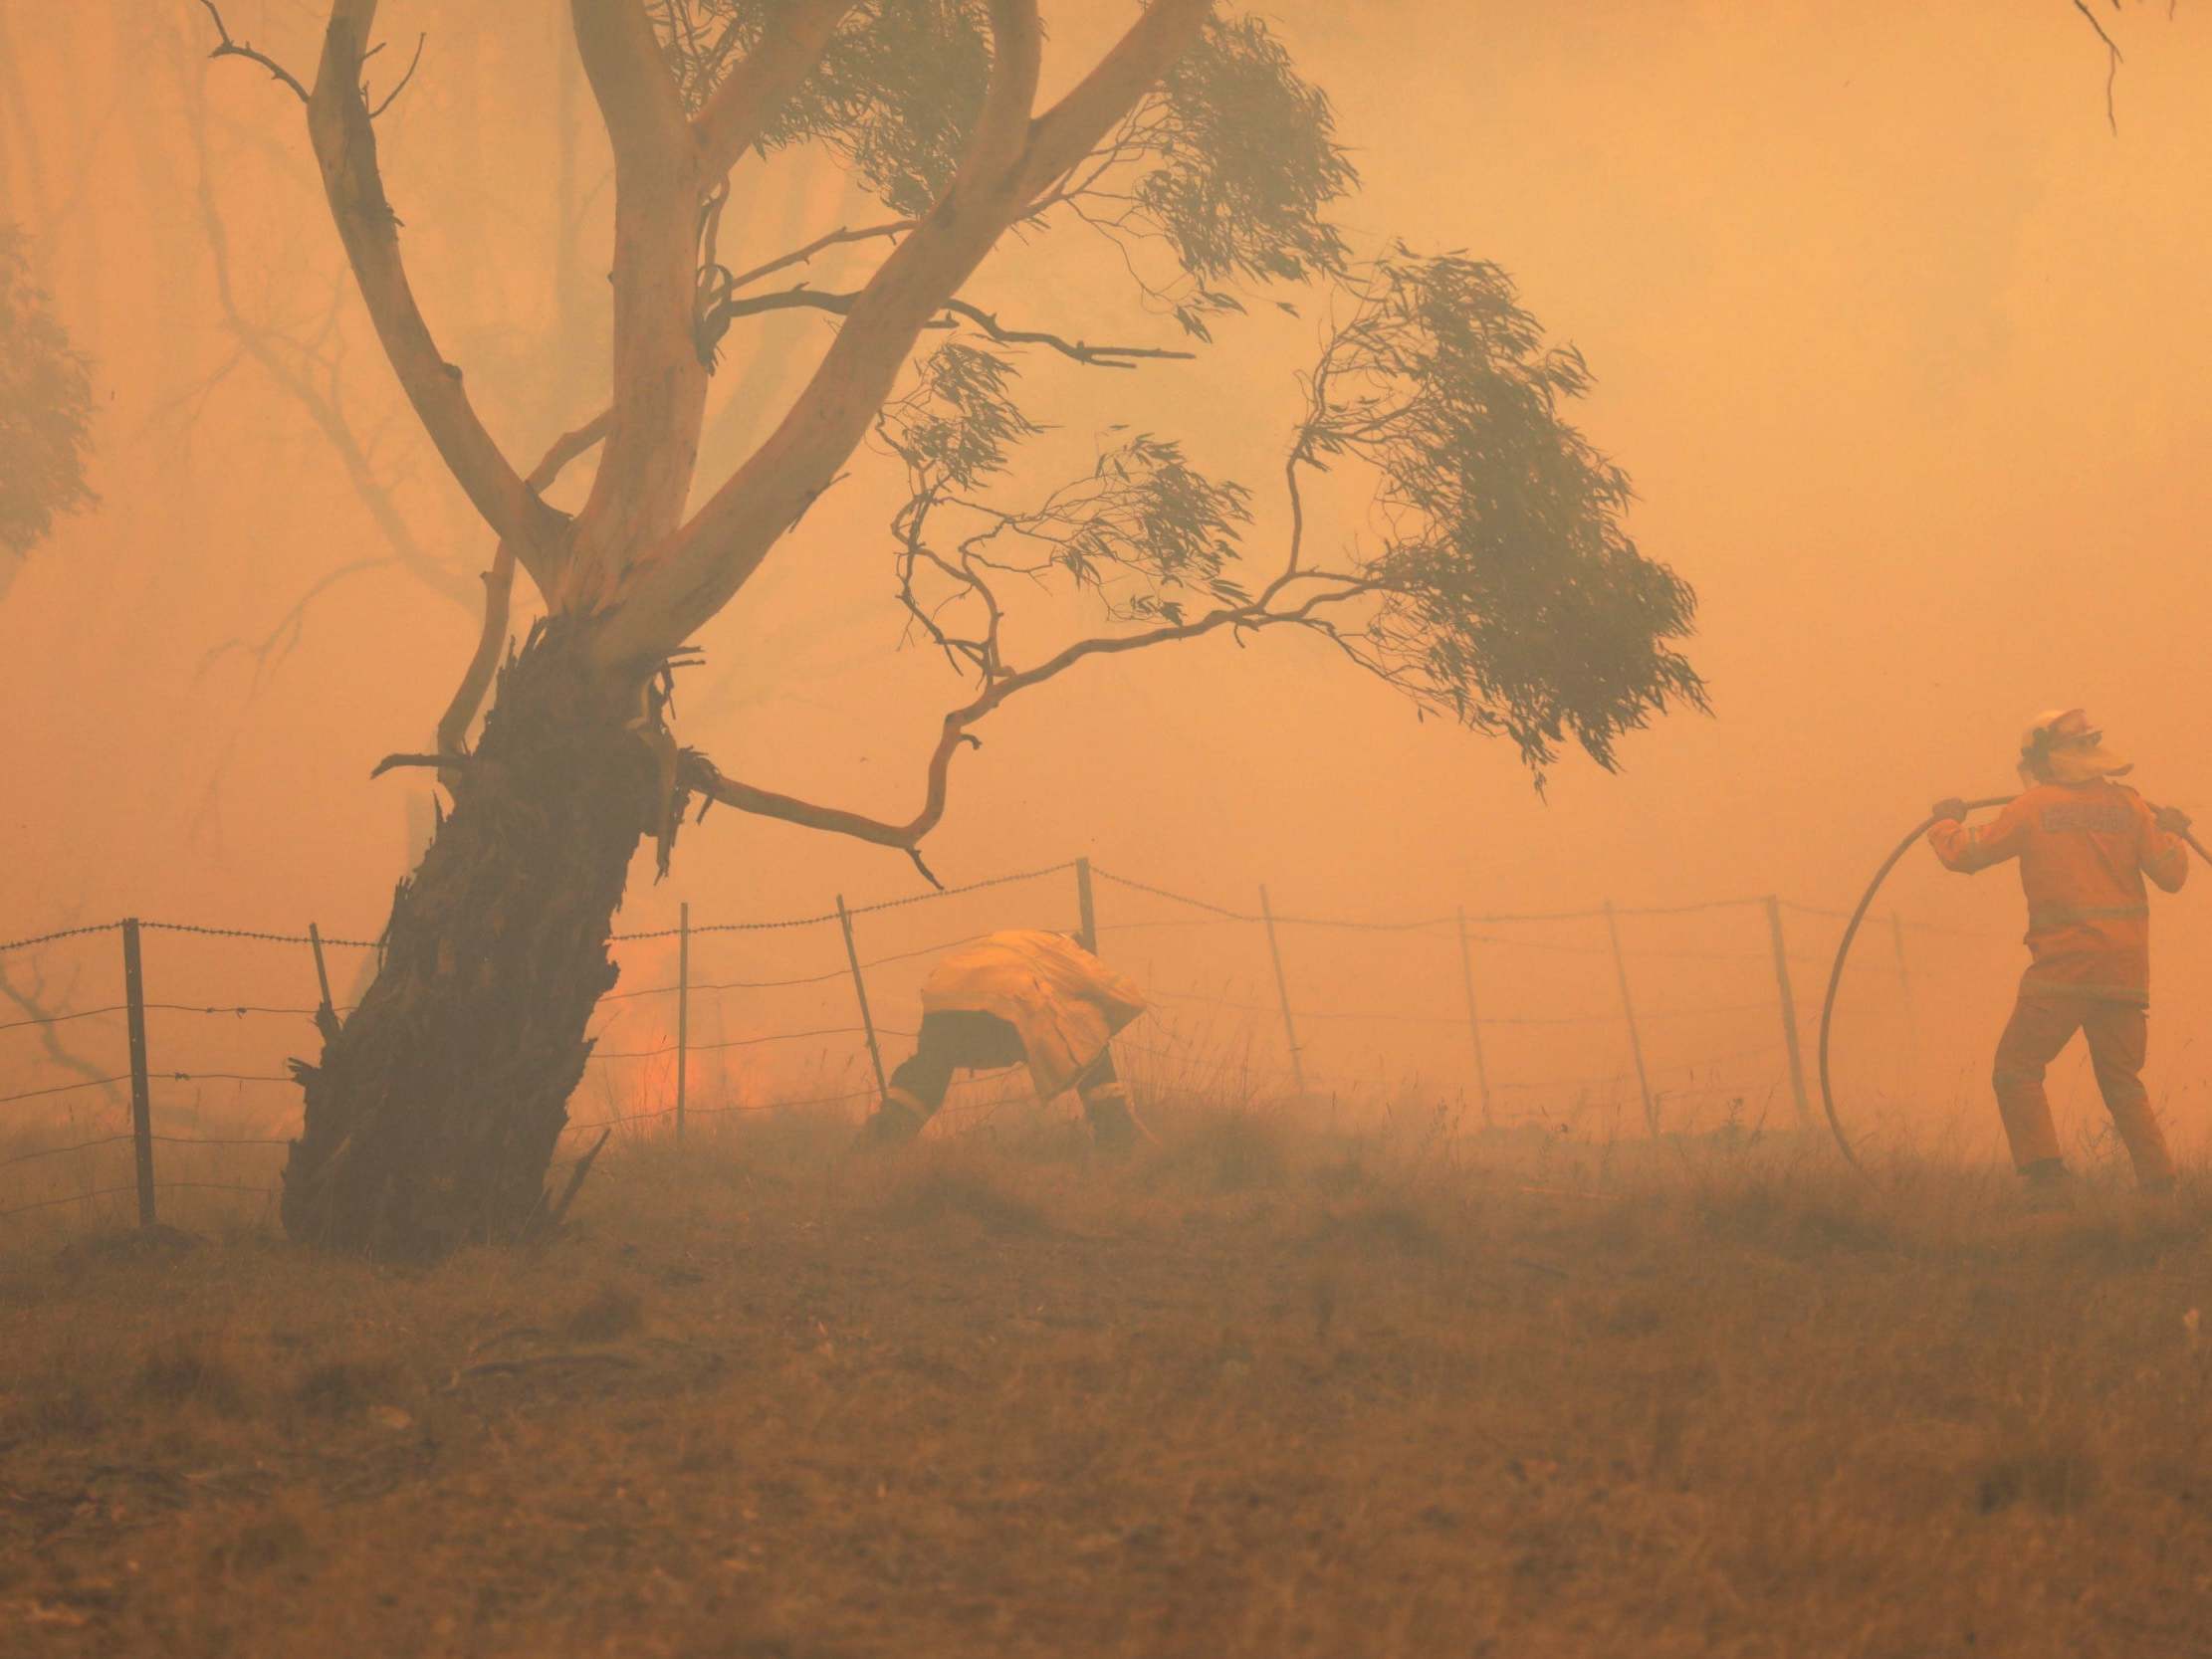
1516	1025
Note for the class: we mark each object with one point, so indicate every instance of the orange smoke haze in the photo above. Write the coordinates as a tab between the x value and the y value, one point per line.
1898	341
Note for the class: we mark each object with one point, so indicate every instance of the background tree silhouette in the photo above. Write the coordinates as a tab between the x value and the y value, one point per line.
46	399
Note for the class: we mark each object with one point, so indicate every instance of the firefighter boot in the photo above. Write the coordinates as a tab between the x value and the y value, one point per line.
895	1123
2050	1189
1113	1126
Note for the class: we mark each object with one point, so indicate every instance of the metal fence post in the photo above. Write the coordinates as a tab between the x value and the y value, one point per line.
682	1009
1789	1044
1474	1024
860	989
141	1110
1628	1012
1086	907
1282	990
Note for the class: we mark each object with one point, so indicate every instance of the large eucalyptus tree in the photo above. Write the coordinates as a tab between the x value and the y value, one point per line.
1492	581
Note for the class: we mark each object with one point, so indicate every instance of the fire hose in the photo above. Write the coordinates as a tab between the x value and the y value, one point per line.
1850	932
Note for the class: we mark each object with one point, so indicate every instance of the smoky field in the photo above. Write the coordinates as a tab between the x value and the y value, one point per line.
1261	1389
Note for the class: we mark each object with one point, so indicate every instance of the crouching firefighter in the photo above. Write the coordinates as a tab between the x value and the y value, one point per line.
2085	843
1007	998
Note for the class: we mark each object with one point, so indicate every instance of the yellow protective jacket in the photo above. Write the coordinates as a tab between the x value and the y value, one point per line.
1065	1001
2083	851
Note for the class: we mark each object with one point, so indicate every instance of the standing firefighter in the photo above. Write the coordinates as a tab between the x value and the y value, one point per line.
1010	997
2084	844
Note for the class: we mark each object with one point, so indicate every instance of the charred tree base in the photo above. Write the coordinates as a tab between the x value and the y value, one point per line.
432	1114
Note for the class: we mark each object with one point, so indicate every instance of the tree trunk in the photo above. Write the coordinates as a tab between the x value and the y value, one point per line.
432	1116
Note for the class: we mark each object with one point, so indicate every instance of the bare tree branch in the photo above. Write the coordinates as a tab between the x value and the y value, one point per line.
702	778
2113	54
228	48
841	304
291	371
1098	356
413	64
499	586
269	652
698	775
395	763
821	244
30	1000
475	679
345	146
566	447
2112	60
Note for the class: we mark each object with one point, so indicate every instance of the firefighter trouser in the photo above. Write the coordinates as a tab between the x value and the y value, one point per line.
956	1039
2042	1024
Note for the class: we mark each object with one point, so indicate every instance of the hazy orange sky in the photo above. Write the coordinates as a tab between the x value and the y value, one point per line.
1901	344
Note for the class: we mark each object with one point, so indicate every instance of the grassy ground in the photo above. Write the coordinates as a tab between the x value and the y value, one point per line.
1256	1392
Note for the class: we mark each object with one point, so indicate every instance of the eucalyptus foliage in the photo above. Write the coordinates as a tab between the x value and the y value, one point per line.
1493	582
1226	170
1510	593
45	408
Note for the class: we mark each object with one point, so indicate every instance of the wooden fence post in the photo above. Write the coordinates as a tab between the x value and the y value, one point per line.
1628	1012
1789	1013
1086	907
860	989
141	1110
1282	990
1474	1024
683	1009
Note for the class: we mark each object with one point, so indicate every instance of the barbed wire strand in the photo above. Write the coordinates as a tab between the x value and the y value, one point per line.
1981	933
60	933
723	1110
1222	910
616	1123
166	1140
925	950
729	985
159	1186
1365	926
237	1010
220	1077
1037	874
1609	1017
786	1106
255	936
63	1088
232	1011
63	1019
876	907
57	1152
1163	921
733	1042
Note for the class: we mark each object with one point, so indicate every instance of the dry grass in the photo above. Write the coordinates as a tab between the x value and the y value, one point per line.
1258	1392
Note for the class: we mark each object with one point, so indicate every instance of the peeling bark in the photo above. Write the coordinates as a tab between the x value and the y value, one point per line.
432	1114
